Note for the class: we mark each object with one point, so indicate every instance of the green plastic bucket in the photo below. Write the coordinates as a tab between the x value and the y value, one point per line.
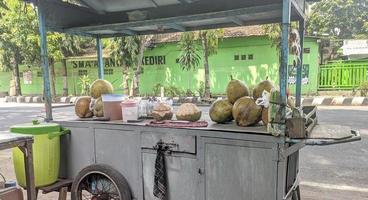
46	152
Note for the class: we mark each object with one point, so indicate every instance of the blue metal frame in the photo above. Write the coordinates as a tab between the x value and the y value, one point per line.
285	29
45	66
100	58
298	91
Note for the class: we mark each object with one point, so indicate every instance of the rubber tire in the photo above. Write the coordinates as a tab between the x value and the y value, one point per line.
114	175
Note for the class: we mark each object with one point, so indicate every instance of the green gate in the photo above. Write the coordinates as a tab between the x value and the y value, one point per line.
343	75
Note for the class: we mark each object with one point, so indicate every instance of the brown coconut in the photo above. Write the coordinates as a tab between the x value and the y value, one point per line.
246	112
188	112
162	112
82	108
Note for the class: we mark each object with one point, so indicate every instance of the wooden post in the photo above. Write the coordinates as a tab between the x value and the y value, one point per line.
29	169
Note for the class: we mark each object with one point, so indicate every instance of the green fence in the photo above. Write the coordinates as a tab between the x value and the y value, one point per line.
342	75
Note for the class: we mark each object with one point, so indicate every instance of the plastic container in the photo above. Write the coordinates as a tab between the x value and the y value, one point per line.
46	152
111	106
129	110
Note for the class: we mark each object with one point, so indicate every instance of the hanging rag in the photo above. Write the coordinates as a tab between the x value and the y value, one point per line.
160	180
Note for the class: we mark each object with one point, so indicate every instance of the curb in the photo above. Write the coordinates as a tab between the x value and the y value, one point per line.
335	101
307	101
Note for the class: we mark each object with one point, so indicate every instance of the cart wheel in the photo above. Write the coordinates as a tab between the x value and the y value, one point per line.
100	182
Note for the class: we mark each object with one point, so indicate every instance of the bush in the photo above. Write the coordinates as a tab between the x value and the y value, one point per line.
364	89
85	83
201	89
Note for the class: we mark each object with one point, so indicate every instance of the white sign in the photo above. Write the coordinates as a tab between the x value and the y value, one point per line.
355	47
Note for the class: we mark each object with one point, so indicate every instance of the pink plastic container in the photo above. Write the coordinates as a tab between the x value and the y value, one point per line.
111	106
129	110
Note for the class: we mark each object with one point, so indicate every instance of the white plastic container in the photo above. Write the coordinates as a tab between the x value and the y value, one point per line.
129	110
111	106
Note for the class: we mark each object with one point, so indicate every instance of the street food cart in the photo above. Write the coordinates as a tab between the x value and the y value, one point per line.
116	160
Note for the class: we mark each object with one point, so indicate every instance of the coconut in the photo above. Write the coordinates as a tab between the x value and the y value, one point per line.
221	111
82	108
100	87
98	108
235	90
246	112
264	85
188	112
162	112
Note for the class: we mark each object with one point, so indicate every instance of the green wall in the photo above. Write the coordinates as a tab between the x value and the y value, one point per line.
222	65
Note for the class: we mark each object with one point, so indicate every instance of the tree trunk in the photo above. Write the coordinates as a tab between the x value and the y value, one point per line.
125	77
52	76
18	90
65	77
145	40
207	92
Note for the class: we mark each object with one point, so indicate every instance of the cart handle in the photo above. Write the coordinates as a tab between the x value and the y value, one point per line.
355	136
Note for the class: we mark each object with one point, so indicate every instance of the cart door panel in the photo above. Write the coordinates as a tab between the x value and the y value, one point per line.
120	149
182	172
73	158
237	170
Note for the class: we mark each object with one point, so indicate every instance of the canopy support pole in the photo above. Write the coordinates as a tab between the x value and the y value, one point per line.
283	71
298	92
100	58
45	65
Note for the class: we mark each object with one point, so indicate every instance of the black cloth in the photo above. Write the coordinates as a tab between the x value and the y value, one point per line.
160	180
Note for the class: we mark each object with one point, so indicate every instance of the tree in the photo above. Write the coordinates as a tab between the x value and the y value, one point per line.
189	58
18	38
343	19
210	41
120	51
131	51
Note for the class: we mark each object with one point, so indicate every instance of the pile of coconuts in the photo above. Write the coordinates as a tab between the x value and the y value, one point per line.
89	106
240	104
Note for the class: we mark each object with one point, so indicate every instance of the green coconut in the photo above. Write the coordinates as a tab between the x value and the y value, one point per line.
246	112
100	87
235	90
98	108
82	108
188	112
221	111
260	87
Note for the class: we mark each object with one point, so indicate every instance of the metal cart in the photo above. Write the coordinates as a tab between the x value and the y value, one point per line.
214	163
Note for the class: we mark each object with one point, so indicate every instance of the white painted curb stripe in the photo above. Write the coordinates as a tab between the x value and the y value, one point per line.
337	100
335	187
357	101
317	101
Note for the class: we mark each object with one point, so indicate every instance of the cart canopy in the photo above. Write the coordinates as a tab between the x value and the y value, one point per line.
108	18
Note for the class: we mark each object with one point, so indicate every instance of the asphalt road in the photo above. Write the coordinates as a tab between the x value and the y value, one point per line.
337	172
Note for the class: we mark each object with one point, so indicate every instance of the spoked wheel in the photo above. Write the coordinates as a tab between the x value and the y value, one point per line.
100	182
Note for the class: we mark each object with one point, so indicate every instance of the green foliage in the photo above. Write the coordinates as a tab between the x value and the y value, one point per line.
211	37
85	84
189	57
364	89
169	91
201	89
18	34
343	19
